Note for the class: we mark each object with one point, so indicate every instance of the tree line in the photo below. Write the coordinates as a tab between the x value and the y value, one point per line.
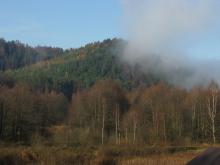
155	115
106	113
24	112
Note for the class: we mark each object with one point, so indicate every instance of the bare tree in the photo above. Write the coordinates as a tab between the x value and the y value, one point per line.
212	106
103	120
117	117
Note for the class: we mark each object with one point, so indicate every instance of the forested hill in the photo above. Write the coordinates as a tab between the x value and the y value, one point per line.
14	54
81	68
97	109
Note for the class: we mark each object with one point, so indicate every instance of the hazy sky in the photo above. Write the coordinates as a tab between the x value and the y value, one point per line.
72	23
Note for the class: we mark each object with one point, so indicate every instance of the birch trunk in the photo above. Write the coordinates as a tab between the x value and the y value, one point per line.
103	122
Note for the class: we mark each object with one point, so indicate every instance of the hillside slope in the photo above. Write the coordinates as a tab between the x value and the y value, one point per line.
81	68
14	55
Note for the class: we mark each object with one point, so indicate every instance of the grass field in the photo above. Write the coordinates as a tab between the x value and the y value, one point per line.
94	156
167	159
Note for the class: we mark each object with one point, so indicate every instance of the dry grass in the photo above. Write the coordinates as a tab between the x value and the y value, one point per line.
43	156
81	156
174	159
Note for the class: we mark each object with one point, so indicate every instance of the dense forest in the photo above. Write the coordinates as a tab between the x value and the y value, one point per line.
81	68
14	54
88	96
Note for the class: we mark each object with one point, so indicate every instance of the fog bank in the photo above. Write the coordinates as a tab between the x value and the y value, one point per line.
161	33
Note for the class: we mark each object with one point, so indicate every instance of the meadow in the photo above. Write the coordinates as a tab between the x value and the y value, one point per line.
41	155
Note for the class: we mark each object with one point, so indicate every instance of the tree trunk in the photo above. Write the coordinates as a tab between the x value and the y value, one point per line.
118	121
103	122
126	135
135	127
1	120
164	129
116	124
213	131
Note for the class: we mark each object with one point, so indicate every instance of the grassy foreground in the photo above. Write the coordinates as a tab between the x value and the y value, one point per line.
96	156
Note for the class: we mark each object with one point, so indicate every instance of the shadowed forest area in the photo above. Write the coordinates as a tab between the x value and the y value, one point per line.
85	106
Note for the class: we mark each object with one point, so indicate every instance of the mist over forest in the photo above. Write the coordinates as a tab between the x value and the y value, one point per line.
147	98
90	96
162	33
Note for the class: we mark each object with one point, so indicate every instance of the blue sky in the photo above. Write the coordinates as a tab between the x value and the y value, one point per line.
63	23
73	23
